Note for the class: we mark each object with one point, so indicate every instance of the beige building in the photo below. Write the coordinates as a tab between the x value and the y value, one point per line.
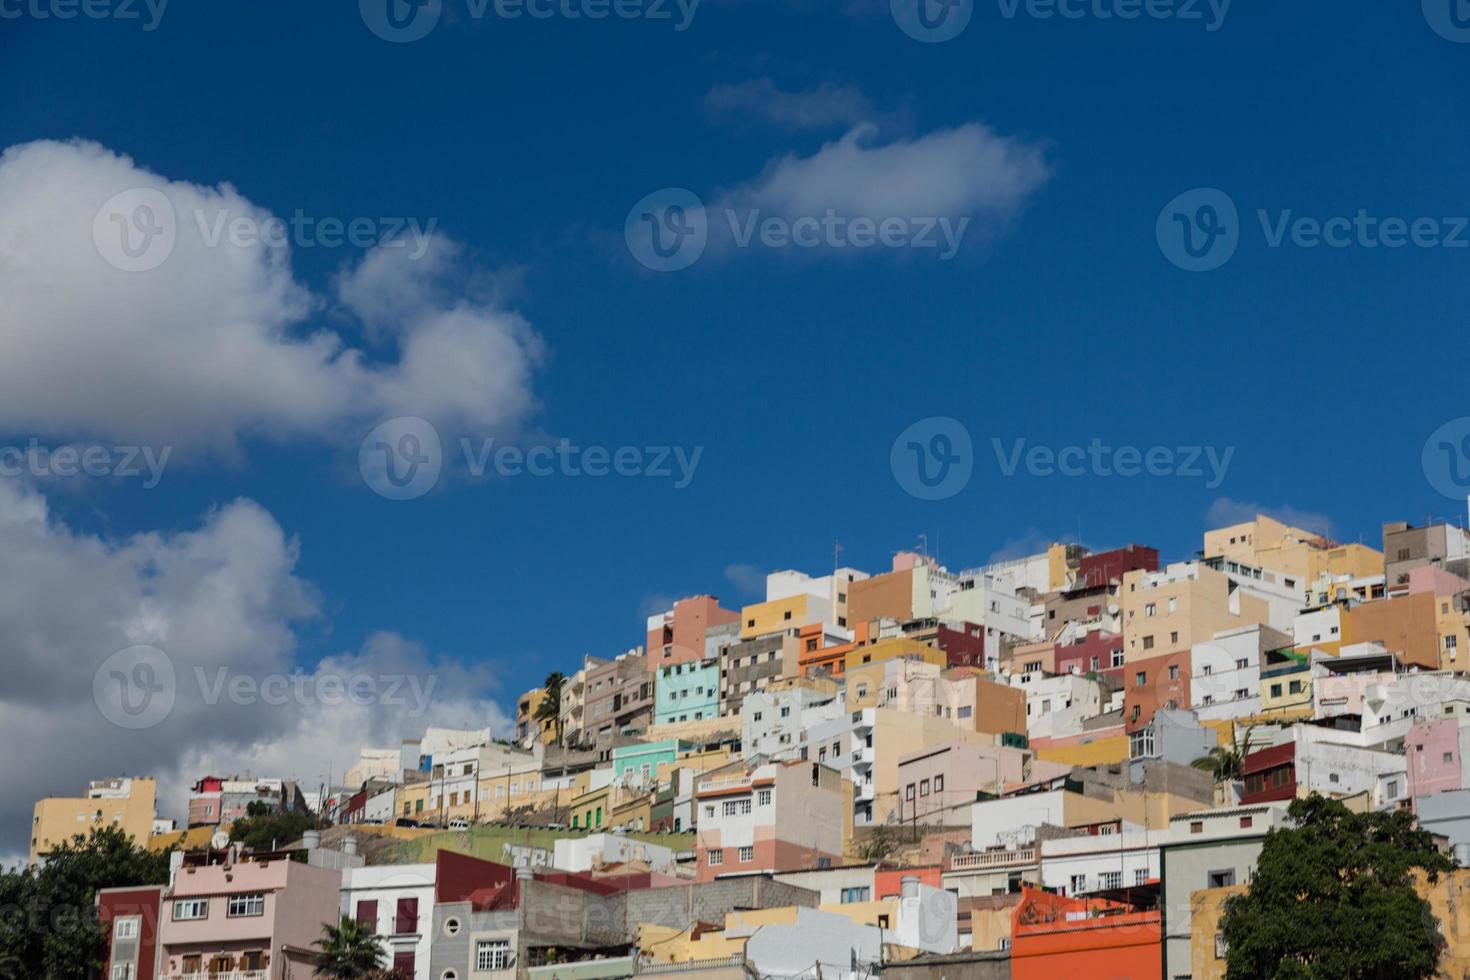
1183	605
126	802
1299	553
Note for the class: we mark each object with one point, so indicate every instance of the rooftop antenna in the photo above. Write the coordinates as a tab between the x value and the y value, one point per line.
836	550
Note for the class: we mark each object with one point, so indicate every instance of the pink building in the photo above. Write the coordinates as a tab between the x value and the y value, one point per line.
937	784
677	636
1435	752
778	816
254	919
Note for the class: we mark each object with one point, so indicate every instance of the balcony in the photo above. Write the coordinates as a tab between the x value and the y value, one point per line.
232	975
992	860
865	791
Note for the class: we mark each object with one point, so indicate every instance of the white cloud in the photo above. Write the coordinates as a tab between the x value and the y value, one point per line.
1226	511
222	600
828	105
969	176
214	344
749	579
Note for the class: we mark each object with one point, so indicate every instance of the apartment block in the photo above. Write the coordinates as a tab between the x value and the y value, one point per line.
687	691
126	802
678	635
780	816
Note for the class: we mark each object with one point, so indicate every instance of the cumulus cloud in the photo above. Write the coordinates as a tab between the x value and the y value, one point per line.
216	343
223	605
969	178
828	105
1226	511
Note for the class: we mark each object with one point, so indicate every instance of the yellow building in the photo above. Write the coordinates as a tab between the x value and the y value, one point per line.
128	803
1286	690
590	809
529	728
764	618
893	646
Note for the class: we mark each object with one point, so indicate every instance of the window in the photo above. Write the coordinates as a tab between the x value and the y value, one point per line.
1449	757
909	792
245	905
1197	827
1151	609
923	787
1276	690
1174	637
746	855
1117	658
1140	678
492	954
190	909
939	784
717	856
1221	879
764	797
407	918
126	928
1246	822
1110	879
1173	672
451	927
1079	884
964	711
1295	687
856	894
1140	876
122	971
733	808
1148	642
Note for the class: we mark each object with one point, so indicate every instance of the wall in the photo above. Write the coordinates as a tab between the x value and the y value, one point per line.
56	819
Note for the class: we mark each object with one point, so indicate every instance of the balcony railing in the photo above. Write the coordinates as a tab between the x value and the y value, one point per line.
985	860
232	975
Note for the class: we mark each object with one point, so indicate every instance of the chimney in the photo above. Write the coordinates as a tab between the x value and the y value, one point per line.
909	886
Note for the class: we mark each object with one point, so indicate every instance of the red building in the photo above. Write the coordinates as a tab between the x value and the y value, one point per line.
963	646
1056	936
1109	566
1096	653
1269	774
129	918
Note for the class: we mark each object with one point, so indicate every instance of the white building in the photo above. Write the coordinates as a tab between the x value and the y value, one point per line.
1078	865
1012	821
398	900
381	807
1057	706
597	850
1225	672
772	720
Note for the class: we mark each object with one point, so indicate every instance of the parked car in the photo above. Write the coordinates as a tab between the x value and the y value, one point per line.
459	823
405	822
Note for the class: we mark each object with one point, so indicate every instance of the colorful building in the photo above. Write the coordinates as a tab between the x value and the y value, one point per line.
1057	936
779	816
127	803
686	691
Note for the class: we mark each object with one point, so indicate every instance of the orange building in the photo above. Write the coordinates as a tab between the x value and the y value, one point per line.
1406	625
888	882
1056	936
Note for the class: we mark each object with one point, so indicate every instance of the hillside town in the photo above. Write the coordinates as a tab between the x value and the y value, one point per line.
1062	764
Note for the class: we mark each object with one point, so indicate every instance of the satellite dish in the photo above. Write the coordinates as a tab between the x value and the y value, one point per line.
220	840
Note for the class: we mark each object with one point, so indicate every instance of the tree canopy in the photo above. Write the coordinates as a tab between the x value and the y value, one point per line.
1333	898
265	830
48	918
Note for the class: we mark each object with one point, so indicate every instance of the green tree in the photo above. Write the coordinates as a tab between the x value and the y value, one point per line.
350	950
262	829
1225	763
49	926
1333	898
550	707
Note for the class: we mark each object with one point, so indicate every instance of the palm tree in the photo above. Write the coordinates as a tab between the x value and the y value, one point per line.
350	950
1226	762
550	707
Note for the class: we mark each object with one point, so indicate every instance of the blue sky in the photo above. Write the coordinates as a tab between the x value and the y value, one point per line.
1060	319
